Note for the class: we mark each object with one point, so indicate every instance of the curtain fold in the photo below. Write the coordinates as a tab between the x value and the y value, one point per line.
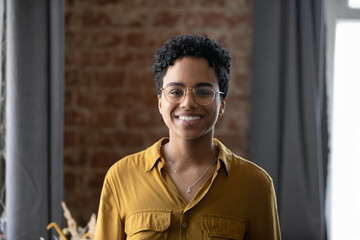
34	116
288	135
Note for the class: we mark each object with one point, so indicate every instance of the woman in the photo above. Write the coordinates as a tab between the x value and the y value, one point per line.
189	185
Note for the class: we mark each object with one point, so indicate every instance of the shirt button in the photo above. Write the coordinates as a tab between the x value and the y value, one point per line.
184	225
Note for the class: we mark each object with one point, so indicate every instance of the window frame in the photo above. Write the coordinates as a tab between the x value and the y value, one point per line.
335	11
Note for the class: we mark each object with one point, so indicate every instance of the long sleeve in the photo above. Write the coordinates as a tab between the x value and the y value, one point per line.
109	224
266	225
274	226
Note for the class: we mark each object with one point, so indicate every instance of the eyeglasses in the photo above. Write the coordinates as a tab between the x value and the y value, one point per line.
202	95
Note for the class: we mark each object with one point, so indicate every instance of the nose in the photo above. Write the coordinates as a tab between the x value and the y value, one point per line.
189	99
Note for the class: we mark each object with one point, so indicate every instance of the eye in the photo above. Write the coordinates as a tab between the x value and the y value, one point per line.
175	92
204	92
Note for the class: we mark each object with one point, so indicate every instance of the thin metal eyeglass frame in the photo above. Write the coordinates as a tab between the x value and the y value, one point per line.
193	92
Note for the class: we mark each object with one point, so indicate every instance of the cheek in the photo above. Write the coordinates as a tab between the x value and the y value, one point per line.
165	108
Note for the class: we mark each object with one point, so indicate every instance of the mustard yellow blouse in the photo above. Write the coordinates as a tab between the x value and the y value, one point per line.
139	201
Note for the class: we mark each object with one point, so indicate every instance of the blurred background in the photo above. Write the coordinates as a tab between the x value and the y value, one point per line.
77	95
110	96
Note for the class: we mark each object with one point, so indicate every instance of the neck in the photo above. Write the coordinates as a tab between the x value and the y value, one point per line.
187	153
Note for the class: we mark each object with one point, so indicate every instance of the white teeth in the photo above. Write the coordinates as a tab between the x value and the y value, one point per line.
189	118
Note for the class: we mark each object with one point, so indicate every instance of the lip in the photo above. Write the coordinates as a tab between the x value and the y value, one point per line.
189	119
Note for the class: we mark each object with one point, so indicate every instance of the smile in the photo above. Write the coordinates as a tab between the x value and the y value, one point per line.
189	118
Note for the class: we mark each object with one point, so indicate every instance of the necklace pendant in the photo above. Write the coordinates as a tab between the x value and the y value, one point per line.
189	190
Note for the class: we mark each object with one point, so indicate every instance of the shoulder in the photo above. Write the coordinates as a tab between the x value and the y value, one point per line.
241	168
253	178
137	162
249	169
132	161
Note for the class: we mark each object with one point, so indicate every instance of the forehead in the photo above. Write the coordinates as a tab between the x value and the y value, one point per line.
190	72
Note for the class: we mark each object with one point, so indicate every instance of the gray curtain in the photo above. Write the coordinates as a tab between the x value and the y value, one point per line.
34	116
288	136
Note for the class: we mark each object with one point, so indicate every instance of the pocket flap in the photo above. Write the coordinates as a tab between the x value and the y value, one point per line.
222	226
152	220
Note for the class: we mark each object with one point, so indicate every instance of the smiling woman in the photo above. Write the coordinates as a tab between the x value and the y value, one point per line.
189	185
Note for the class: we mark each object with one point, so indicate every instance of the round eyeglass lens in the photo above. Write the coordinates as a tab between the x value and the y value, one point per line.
202	95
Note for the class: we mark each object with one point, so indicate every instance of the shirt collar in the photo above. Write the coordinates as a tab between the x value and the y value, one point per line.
225	155
153	154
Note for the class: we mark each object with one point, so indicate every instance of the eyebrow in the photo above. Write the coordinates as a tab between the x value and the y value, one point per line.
202	84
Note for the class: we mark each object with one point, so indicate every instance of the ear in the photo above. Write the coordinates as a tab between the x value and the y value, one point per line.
159	103
222	106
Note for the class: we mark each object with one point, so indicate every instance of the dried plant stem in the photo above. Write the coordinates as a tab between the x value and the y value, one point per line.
57	229
72	226
87	235
92	225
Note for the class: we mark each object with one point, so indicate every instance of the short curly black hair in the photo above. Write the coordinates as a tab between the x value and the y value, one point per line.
196	46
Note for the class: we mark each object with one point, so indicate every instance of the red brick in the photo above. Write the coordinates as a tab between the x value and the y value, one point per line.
137	21
220	122
104	118
71	19
212	19
68	98
102	2
72	59
70	3
69	181
114	100
77	201
72	39
129	139
74	118
76	159
71	78
70	138
102	39
121	100
235	142
143	120
213	4
241	40
110	79
136	59
241	84
122	58
166	19
237	19
87	99
141	80
155	136
104	159
95	19
96	181
104	139
95	59
134	39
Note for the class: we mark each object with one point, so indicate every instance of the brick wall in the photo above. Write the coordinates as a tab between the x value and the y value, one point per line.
111	104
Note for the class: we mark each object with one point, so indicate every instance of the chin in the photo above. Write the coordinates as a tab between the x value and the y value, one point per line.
194	136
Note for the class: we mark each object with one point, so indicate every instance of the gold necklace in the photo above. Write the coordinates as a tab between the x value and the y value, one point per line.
190	186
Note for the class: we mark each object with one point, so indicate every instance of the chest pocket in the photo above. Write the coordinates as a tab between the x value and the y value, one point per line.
148	225
221	227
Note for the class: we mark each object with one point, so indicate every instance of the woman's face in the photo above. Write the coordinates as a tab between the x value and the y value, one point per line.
188	119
